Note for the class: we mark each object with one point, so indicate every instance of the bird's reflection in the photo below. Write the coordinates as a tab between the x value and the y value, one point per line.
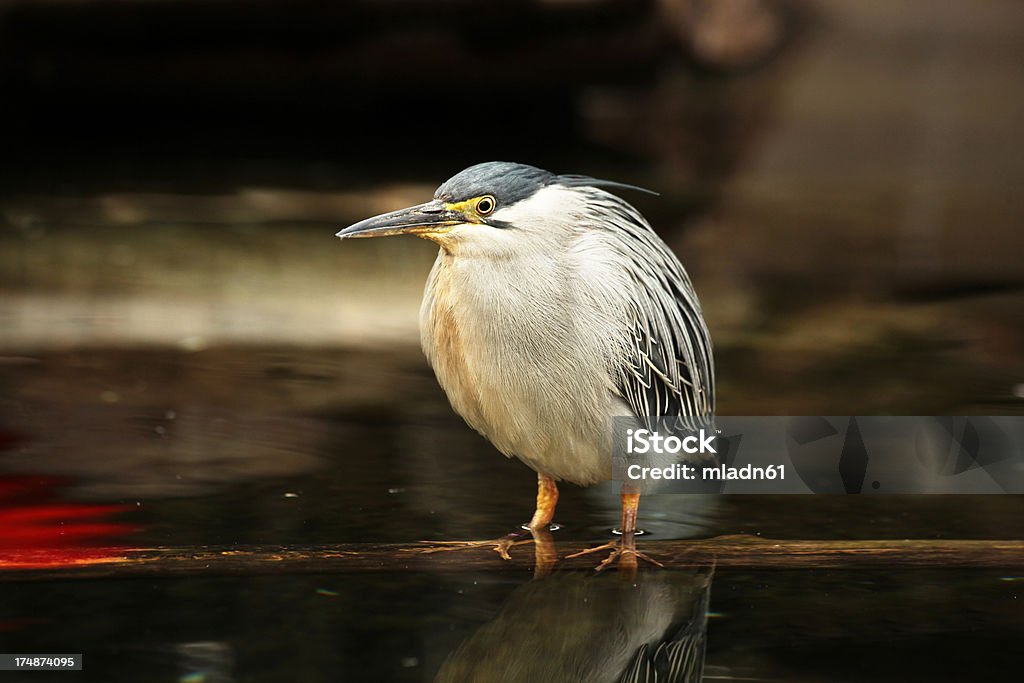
573	626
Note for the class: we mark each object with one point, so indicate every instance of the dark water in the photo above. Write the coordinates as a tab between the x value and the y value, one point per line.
236	447
783	625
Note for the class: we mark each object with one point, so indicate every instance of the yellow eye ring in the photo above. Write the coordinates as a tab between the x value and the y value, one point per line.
485	205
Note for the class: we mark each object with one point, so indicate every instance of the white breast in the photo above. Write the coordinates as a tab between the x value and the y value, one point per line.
509	346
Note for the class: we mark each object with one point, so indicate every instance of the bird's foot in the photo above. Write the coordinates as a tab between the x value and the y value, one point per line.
624	551
499	545
544	555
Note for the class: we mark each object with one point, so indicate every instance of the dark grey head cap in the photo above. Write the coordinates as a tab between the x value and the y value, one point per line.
509	182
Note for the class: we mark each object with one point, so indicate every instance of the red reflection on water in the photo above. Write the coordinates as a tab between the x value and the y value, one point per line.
38	530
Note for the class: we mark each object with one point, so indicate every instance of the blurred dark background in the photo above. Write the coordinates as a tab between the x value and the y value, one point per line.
839	178
266	91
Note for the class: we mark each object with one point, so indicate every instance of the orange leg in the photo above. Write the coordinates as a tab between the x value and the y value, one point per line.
630	505
547	499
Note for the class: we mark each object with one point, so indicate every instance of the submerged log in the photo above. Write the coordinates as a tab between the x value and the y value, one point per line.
723	551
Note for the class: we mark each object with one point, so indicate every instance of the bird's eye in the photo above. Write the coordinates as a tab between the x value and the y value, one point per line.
485	205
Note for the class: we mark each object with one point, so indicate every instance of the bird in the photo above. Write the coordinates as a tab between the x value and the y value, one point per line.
552	307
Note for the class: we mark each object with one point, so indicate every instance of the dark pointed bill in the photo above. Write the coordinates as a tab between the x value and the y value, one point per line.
422	219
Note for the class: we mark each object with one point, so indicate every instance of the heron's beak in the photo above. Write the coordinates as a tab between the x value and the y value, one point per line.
425	219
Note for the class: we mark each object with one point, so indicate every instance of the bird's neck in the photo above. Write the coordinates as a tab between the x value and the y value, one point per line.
499	279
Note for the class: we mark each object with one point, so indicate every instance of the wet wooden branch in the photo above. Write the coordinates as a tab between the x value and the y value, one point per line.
724	551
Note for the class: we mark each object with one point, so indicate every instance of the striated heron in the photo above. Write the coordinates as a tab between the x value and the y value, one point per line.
553	306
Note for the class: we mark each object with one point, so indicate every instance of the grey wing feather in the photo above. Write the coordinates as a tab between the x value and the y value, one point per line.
671	368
